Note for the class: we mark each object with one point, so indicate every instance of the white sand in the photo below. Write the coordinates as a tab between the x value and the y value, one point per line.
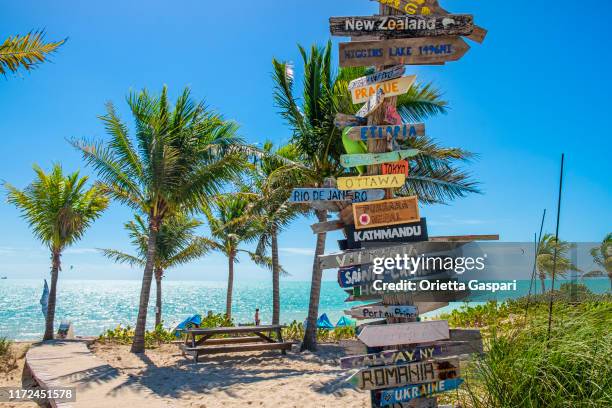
252	379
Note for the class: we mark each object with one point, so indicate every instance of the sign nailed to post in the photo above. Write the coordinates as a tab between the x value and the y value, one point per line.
402	26
394	87
410	392
368	159
399	132
385	75
411	51
382	312
398	167
371	104
386	212
367	182
404	333
410	232
308	195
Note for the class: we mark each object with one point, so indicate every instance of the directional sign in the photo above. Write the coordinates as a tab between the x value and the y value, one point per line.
342	120
386	212
376	378
398	167
404	333
371	104
307	195
380	76
368	159
393	87
410	392
370	182
367	255
411	51
327	226
402	26
397	132
382	312
412	289
409	232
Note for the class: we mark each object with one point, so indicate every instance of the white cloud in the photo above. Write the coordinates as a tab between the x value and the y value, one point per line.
78	251
450	222
298	251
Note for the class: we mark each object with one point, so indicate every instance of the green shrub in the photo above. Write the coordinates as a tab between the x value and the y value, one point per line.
125	335
5	346
295	331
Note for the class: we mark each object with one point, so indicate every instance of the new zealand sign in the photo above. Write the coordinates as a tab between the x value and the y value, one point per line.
411	51
402	26
386	212
410	232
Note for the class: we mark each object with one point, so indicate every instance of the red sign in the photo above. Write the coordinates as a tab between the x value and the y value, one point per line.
398	167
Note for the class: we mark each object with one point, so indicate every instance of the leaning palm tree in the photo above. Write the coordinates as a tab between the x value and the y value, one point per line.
546	263
177	158
230	226
26	51
602	256
272	211
434	177
59	208
177	244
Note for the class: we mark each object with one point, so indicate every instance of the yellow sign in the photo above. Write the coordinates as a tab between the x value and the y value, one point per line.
368	182
394	87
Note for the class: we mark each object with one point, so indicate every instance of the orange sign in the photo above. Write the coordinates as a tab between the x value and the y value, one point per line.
386	212
398	167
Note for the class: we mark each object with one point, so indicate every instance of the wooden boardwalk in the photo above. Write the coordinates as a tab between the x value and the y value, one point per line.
70	364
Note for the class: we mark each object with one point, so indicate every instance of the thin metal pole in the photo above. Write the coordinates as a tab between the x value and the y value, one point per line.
552	289
538	240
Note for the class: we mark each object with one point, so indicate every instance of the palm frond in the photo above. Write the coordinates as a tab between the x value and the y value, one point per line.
27	51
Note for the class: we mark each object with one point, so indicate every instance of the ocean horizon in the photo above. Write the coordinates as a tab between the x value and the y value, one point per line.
93	306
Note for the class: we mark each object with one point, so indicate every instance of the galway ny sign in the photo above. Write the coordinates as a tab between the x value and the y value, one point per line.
376	132
386	212
402	26
411	51
410	392
394	87
376	378
308	195
370	182
410	232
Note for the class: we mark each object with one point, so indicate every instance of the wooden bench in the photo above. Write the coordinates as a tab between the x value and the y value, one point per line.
205	344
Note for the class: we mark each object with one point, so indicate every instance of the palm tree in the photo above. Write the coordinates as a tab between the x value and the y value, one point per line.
230	226
602	256
177	244
434	178
178	157
59	208
26	51
271	210
545	260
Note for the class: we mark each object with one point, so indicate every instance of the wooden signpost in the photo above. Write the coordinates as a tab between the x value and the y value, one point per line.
410	392
342	120
308	195
368	159
398	167
404	333
386	212
382	312
380	76
392	117
410	51
403	26
384	132
409	232
326	226
375	378
370	182
371	104
393	87
369	292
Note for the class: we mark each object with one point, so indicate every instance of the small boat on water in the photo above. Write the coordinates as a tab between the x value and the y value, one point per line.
3	277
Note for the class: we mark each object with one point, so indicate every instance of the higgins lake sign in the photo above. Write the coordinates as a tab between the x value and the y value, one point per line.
308	195
369	182
386	212
402	26
410	232
375	132
393	87
376	378
411	51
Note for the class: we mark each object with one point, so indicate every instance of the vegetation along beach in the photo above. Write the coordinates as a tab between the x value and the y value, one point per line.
283	204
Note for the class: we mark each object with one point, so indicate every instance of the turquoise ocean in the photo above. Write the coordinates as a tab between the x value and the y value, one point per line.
94	306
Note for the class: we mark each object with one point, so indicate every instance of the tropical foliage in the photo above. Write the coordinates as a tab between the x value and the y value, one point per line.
59	208
178	157
552	260
602	256
26	51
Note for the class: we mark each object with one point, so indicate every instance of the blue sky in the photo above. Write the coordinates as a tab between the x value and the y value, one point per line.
538	86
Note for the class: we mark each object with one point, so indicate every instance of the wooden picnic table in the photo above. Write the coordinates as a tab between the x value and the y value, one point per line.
205	344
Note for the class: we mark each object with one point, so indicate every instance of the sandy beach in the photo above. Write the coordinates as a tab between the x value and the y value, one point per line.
245	379
12	374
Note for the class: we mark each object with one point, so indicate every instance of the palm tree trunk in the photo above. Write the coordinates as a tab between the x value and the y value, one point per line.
543	283
230	285
275	279
49	321
138	344
310	334
158	296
